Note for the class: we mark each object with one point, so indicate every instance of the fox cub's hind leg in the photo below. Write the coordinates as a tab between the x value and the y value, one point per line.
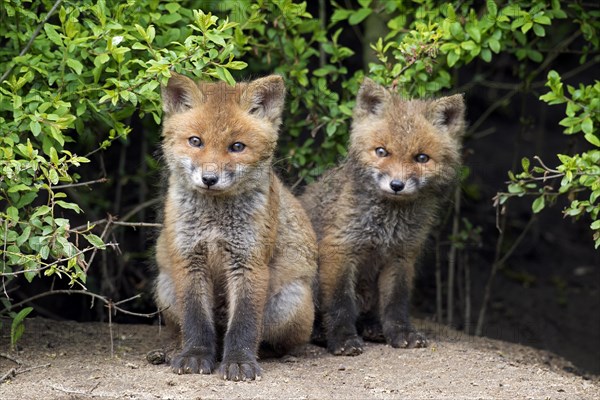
395	282
288	319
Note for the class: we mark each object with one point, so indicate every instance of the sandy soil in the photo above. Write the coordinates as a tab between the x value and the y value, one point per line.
73	360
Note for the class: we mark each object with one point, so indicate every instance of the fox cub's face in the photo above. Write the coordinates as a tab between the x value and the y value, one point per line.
406	146
220	139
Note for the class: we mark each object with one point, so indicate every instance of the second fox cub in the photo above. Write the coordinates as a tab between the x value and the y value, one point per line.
236	253
372	214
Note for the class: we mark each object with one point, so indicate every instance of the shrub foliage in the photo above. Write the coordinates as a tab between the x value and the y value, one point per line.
74	75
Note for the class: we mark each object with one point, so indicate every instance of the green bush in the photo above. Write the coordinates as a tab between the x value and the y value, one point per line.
75	76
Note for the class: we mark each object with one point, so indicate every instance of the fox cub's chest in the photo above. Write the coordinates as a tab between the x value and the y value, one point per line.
212	225
385	226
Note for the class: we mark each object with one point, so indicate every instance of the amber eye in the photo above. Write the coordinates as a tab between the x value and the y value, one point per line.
421	158
195	141
381	152
237	147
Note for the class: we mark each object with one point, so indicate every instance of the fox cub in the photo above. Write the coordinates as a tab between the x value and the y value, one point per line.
237	256
372	214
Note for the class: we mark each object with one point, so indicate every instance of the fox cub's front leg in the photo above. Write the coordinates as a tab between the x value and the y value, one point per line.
395	283
197	322
247	289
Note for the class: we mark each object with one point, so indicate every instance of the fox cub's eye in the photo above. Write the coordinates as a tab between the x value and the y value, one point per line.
237	147
195	141
381	152
421	158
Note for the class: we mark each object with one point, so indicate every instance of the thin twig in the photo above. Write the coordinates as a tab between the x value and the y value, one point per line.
89	263
539	160
86	293
8	357
69	391
139	208
11	373
110	330
14	372
452	257
32	38
497	262
138	224
4	259
71	185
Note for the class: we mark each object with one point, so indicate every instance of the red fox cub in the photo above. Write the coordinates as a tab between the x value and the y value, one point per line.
237	256
372	214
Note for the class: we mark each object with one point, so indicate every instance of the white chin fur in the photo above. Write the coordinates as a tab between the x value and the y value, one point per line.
194	174
411	186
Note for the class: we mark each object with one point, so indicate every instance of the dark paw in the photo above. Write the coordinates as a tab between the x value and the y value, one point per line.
373	333
239	371
406	338
190	362
351	346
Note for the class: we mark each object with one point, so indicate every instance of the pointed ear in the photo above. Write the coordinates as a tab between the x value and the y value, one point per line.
371	99
448	114
265	98
180	94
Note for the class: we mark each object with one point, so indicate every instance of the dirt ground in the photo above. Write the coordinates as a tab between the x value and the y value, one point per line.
73	360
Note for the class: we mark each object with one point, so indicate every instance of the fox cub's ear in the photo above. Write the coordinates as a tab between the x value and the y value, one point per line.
370	100
448	114
265	97
180	94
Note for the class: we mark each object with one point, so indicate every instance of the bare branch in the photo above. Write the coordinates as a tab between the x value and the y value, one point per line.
71	185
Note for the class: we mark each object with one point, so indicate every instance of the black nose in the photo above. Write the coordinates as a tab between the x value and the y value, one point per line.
210	180
397	185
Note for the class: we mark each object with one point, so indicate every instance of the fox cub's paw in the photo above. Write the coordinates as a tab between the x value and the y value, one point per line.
192	362
240	370
405	337
346	346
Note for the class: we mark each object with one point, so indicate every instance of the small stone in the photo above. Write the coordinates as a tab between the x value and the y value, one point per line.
156	357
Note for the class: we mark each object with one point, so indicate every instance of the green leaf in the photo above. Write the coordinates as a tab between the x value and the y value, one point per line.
542	19
456	30
18	188
358	16
473	31
587	125
515	188
95	240
215	38
452	58
12	213
52	34
17	327
595	225
75	65
539	30
538	204
525	164
35	127
70	206
492	7
593	139
53	156
494	45
486	55
340	14
225	75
